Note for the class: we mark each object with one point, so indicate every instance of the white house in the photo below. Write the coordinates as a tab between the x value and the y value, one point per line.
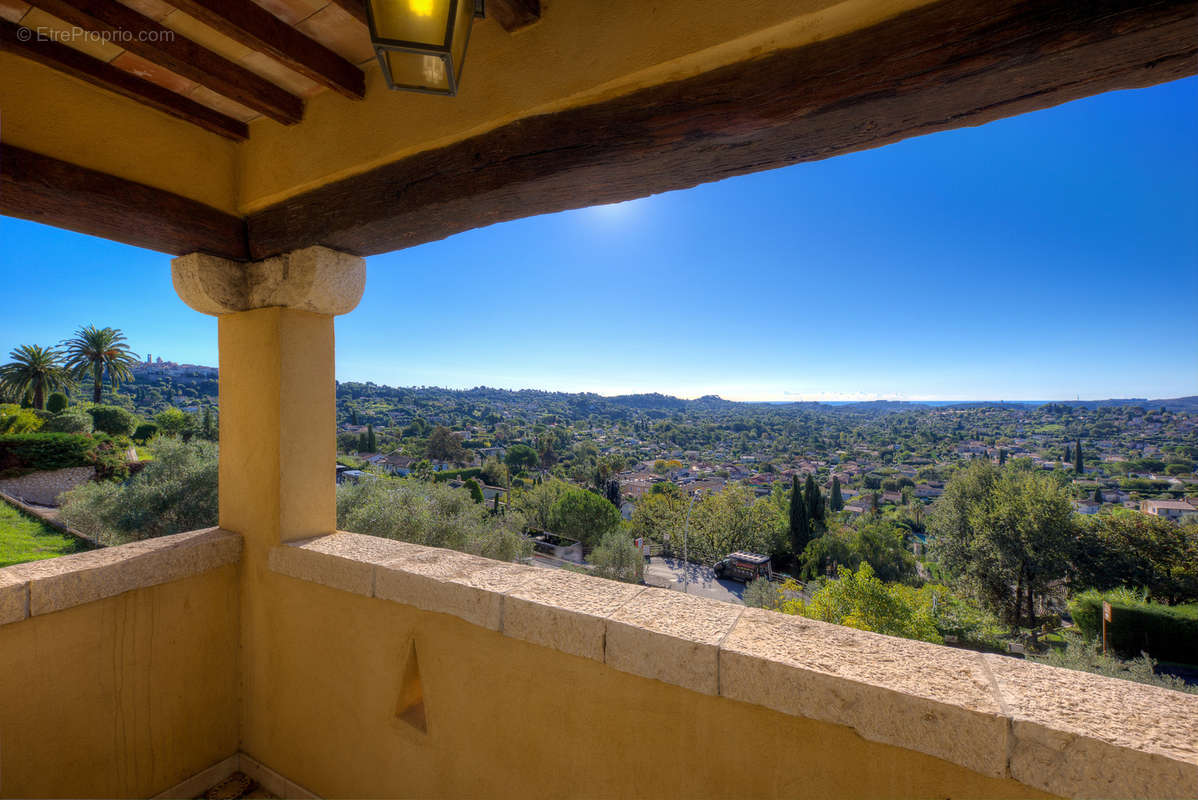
1175	510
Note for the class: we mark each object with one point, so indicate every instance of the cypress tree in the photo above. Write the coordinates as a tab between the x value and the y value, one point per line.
612	492
371	442
1068	454
836	502
1078	465
1098	498
361	442
1002	457
800	526
815	502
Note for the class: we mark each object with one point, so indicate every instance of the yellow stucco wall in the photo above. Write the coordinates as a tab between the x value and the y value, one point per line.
510	719
53	114
123	697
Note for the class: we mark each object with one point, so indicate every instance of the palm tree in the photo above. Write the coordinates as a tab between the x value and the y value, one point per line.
96	350
33	371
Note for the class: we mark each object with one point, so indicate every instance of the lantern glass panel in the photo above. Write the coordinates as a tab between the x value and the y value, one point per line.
419	21
418	70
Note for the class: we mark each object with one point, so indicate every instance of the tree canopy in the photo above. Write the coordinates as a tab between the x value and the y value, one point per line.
1005	533
583	515
98	352
33	371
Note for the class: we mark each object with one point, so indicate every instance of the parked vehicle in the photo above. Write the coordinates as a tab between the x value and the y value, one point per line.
744	567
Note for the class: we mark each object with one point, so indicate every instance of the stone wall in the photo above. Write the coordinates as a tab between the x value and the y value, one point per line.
43	488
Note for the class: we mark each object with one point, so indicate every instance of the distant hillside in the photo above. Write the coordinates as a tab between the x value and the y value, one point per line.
1187	404
202	379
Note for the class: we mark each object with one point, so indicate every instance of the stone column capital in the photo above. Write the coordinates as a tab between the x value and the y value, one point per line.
314	279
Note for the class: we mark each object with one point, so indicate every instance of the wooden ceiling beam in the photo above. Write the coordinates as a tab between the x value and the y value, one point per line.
514	14
511	14
43	189
946	65
355	8
143	36
257	28
78	65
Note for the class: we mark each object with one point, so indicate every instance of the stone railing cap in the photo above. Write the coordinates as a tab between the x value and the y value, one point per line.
54	584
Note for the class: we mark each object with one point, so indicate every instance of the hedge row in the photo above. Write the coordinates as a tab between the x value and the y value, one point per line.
461	474
1167	633
31	452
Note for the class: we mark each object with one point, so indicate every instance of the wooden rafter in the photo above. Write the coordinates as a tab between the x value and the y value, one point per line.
941	66
84	67
257	28
144	37
514	14
46	190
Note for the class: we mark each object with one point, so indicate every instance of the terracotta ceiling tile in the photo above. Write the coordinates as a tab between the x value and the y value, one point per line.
156	10
278	74
333	27
12	10
82	40
148	70
218	102
292	11
206	37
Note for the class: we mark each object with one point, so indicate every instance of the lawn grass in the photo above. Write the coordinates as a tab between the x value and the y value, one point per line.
23	538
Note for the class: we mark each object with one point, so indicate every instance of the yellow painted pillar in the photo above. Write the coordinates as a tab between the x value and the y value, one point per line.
278	445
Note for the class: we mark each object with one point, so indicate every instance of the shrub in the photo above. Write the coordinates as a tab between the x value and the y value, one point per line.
111	457
476	491
173	422
175	492
14	419
145	432
762	593
73	421
56	402
112	420
1085	654
859	600
32	452
430	514
618	558
1165	632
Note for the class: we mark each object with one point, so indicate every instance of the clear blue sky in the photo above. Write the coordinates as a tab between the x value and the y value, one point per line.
1041	257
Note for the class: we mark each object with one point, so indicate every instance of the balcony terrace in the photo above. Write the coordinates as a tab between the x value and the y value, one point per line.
334	664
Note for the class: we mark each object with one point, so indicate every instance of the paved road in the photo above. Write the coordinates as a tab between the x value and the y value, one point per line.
669	573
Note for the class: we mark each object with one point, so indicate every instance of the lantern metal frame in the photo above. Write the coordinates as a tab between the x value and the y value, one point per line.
444	52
